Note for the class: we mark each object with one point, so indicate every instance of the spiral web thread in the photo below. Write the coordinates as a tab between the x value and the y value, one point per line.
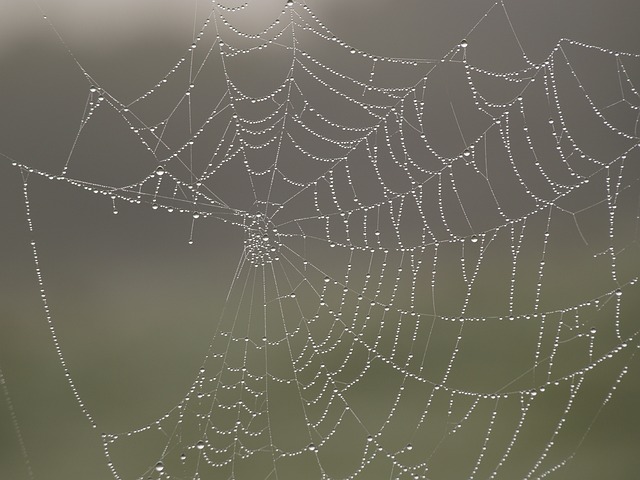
369	254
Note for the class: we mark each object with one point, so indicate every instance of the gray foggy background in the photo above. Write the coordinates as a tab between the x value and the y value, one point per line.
135	306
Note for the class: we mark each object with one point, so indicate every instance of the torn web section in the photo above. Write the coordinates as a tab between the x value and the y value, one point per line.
399	243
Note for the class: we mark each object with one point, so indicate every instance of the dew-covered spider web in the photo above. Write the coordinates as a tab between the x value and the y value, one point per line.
439	264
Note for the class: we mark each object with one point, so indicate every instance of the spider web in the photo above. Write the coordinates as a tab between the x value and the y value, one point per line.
408	303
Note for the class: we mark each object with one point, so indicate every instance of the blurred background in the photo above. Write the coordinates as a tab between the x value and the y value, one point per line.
137	308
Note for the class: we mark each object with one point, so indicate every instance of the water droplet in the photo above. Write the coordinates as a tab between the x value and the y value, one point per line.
464	44
618	292
312	447
474	239
200	445
159	467
409	447
466	152
160	171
